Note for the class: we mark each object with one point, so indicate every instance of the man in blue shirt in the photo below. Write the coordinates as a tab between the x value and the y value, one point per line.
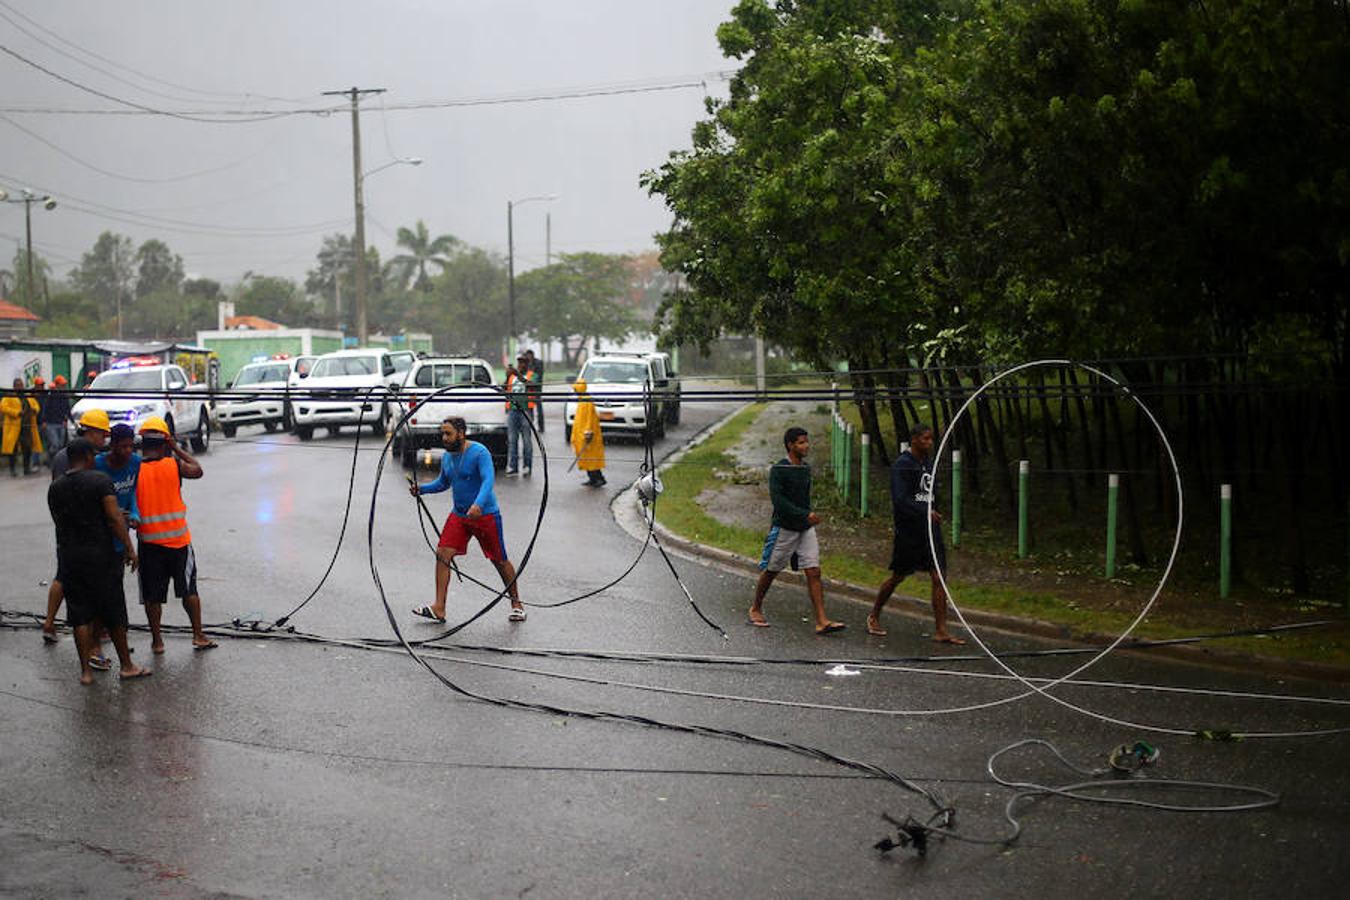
466	468
122	464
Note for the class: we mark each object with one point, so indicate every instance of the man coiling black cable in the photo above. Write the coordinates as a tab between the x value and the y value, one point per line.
466	469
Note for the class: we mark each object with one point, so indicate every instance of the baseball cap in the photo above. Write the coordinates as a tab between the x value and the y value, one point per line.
95	418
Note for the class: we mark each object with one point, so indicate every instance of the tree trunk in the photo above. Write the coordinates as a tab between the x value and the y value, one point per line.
864	395
1005	482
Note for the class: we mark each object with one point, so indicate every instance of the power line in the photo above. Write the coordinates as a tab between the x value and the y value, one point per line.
190	117
121	177
264	114
233	97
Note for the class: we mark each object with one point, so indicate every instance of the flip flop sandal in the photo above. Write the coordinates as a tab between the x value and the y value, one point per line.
517	615
50	637
426	613
100	663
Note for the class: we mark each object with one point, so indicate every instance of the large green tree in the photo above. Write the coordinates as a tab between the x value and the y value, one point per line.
278	299
107	274
577	300
465	310
158	269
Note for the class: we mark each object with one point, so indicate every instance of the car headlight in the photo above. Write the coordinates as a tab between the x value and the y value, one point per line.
144	409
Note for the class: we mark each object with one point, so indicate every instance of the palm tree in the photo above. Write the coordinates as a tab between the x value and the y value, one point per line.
421	250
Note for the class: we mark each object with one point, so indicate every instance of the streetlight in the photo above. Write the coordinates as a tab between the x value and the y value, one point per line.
511	270
361	331
28	199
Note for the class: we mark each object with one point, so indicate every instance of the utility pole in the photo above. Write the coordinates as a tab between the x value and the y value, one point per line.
548	238
355	94
28	198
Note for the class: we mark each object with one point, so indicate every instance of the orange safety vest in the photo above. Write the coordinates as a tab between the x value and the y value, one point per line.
160	498
527	378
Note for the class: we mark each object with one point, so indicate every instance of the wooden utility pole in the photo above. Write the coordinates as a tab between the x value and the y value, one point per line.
355	94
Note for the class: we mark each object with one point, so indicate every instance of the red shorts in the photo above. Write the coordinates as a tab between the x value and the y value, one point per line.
487	528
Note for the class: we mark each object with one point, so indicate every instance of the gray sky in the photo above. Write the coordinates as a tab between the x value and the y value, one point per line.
279	185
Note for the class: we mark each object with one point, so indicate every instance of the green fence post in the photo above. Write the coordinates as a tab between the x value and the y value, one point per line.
956	498
834	448
865	455
1225	540
1112	497
1023	479
848	457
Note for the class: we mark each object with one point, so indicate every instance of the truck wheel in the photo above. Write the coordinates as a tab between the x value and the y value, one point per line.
270	425
381	423
304	432
287	418
201	439
408	454
229	430
675	413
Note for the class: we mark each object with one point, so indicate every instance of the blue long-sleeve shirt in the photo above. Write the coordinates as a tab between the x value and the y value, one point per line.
469	475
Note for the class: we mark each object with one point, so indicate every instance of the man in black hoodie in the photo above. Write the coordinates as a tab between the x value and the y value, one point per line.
913	487
793	535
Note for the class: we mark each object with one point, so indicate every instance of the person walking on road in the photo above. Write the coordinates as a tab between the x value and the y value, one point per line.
55	418
913	488
164	539
466	469
588	444
793	535
519	408
20	429
94	428
537	374
83	506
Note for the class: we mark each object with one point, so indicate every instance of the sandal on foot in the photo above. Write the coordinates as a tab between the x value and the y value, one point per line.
426	613
100	663
517	614
831	627
50	637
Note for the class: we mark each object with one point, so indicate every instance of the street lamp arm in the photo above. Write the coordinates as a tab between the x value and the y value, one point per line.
401	161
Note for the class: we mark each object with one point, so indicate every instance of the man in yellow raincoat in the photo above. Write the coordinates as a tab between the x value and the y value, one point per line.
588	444
21	435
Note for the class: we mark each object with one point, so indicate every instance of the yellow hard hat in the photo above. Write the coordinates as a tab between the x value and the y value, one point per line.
95	418
155	423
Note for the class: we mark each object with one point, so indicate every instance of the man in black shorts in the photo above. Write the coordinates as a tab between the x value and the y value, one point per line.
913	487
83	504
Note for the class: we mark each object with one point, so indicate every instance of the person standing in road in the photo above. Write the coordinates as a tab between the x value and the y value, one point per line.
122	464
588	443
466	468
94	428
793	535
55	418
913	488
163	536
20	437
83	506
537	375
519	407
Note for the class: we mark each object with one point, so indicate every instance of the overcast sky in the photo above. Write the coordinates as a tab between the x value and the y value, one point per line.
259	196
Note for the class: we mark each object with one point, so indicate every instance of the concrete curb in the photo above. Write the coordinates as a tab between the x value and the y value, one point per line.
629	515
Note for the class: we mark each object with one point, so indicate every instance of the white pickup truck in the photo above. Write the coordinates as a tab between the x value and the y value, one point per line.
348	387
467	388
152	389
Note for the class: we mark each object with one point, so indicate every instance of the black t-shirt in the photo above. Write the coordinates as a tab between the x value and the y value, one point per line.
83	535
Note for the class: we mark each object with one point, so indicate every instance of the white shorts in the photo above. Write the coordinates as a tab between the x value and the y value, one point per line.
783	544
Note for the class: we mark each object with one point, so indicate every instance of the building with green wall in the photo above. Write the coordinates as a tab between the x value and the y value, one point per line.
238	348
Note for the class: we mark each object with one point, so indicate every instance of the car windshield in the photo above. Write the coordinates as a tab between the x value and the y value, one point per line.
262	374
439	375
603	372
345	365
128	380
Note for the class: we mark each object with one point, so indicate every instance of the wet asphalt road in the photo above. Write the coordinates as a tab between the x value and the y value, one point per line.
266	768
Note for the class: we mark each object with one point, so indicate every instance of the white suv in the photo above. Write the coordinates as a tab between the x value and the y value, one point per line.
467	388
271	407
624	389
347	387
153	389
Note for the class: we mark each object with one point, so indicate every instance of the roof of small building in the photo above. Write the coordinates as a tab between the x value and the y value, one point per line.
10	311
255	323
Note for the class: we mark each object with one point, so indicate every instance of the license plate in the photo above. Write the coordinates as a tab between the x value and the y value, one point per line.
606	416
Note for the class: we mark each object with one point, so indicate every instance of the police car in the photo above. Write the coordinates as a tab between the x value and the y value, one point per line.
152	388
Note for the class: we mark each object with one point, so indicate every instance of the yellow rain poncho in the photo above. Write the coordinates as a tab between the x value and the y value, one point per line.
13	411
588	444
